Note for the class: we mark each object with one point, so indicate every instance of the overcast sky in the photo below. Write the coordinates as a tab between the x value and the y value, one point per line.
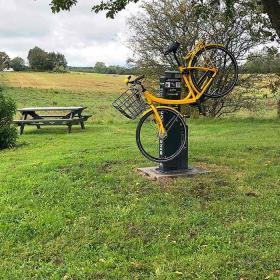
81	35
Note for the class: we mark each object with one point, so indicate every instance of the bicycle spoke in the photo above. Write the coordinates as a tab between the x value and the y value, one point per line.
172	121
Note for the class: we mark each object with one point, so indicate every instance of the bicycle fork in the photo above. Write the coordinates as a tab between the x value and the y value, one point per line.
159	123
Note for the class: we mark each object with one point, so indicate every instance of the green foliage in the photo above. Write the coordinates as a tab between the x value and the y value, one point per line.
100	67
272	8
263	62
81	69
62	5
4	61
269	7
8	133
57	61
40	60
18	64
111	6
103	69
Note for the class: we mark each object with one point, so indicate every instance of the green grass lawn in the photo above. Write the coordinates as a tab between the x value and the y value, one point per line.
73	206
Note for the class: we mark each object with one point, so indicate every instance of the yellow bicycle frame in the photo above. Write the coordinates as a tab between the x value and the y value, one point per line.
193	94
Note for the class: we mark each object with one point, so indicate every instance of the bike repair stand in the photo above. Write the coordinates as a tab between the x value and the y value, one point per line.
171	88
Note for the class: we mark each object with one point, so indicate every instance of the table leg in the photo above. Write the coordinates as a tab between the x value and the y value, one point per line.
35	116
24	117
81	123
69	128
21	129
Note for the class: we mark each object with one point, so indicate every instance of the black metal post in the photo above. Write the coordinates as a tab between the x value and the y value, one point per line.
171	88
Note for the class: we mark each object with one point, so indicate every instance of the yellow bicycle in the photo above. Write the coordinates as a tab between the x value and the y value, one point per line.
208	71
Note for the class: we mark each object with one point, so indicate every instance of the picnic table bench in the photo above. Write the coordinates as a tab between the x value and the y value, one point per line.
33	116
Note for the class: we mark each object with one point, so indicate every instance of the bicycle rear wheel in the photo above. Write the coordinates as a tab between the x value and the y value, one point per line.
226	78
151	144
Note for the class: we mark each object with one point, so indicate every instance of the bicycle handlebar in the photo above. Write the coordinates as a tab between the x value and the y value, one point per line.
139	78
136	80
172	48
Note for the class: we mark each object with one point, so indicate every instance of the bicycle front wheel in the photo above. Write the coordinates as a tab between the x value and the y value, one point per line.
157	148
223	60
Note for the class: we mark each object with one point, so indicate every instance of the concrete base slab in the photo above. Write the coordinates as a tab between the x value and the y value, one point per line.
155	174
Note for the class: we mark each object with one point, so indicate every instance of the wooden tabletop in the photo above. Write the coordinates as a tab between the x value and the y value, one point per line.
33	109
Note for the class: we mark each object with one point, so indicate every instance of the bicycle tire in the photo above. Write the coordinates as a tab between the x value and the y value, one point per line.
180	121
214	90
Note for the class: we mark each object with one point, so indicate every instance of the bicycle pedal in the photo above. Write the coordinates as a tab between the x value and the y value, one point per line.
186	116
200	109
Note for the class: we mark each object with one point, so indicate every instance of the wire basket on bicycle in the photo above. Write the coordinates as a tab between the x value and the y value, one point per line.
130	103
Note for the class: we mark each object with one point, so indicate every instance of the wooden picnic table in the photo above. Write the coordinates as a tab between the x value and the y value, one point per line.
36	116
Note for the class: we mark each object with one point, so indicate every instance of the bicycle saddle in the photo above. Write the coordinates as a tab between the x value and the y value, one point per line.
172	48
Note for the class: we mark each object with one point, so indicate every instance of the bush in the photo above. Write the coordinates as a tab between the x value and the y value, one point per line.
18	64
8	132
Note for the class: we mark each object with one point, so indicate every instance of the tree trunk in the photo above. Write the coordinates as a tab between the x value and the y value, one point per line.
272	7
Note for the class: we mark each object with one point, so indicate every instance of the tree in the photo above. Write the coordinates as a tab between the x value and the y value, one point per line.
165	21
111	6
57	61
271	7
38	60
18	64
4	61
100	67
8	133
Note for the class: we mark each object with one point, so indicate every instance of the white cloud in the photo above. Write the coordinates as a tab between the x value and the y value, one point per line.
81	35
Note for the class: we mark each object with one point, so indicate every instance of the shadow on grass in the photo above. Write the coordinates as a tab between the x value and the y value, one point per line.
20	145
64	130
55	130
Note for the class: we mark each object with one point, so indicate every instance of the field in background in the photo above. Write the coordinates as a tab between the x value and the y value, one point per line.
70	81
73	206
